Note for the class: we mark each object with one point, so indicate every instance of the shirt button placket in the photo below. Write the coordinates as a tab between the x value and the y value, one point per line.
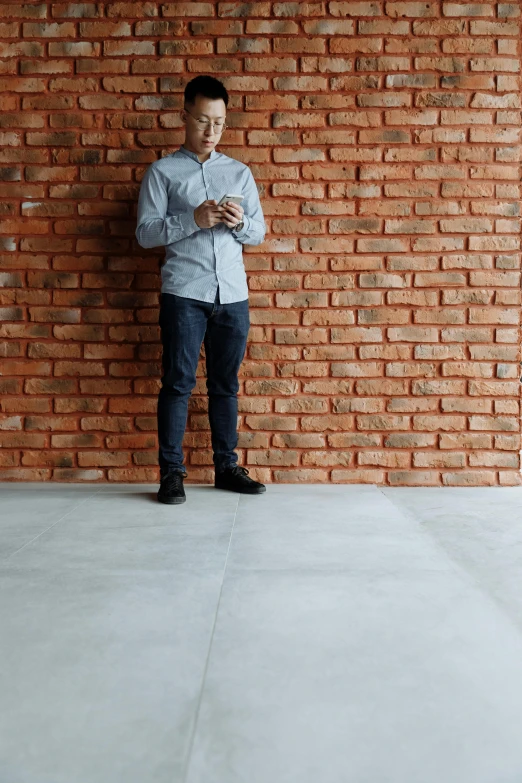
207	191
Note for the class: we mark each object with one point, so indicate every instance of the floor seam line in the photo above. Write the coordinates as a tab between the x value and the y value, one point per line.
458	567
205	671
42	532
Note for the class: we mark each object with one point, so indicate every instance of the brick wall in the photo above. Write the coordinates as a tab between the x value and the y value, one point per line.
385	141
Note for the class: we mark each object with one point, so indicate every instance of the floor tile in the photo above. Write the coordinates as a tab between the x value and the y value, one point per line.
359	678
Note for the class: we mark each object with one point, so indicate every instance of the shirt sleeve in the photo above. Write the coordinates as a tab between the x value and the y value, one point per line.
253	232
154	228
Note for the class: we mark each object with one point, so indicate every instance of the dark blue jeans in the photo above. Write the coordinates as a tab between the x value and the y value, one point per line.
185	324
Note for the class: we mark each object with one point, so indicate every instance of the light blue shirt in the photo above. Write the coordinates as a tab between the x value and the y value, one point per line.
198	259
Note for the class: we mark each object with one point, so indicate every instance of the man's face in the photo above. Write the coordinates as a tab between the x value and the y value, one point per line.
200	137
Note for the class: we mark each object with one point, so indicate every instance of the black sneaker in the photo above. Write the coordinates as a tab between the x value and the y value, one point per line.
236	479
171	488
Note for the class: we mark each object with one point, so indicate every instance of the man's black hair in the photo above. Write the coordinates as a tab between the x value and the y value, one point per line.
208	87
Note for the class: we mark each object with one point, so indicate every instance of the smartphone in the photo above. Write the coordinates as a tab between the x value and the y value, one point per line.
237	199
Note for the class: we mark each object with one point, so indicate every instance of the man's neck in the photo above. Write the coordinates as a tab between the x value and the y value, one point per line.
202	158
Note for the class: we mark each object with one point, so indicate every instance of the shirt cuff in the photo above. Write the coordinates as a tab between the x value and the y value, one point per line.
187	223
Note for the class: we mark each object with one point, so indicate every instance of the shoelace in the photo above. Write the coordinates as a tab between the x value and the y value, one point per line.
173	480
239	469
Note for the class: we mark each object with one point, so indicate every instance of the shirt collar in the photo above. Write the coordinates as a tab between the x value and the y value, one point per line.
193	155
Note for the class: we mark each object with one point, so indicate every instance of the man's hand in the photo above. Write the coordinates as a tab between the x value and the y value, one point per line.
233	214
208	214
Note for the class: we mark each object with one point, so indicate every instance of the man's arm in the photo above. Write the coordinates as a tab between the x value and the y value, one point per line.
253	232
154	228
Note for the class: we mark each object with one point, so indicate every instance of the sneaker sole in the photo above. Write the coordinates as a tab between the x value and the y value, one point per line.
170	501
242	491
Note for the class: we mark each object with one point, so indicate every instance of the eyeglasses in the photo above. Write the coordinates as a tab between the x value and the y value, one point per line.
220	126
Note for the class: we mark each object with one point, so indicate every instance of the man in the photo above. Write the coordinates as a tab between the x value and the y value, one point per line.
204	292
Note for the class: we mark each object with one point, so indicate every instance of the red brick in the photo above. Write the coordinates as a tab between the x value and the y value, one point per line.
469	478
52	458
423	478
72	474
25	474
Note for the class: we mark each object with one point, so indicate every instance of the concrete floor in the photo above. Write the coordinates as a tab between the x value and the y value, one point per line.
314	634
